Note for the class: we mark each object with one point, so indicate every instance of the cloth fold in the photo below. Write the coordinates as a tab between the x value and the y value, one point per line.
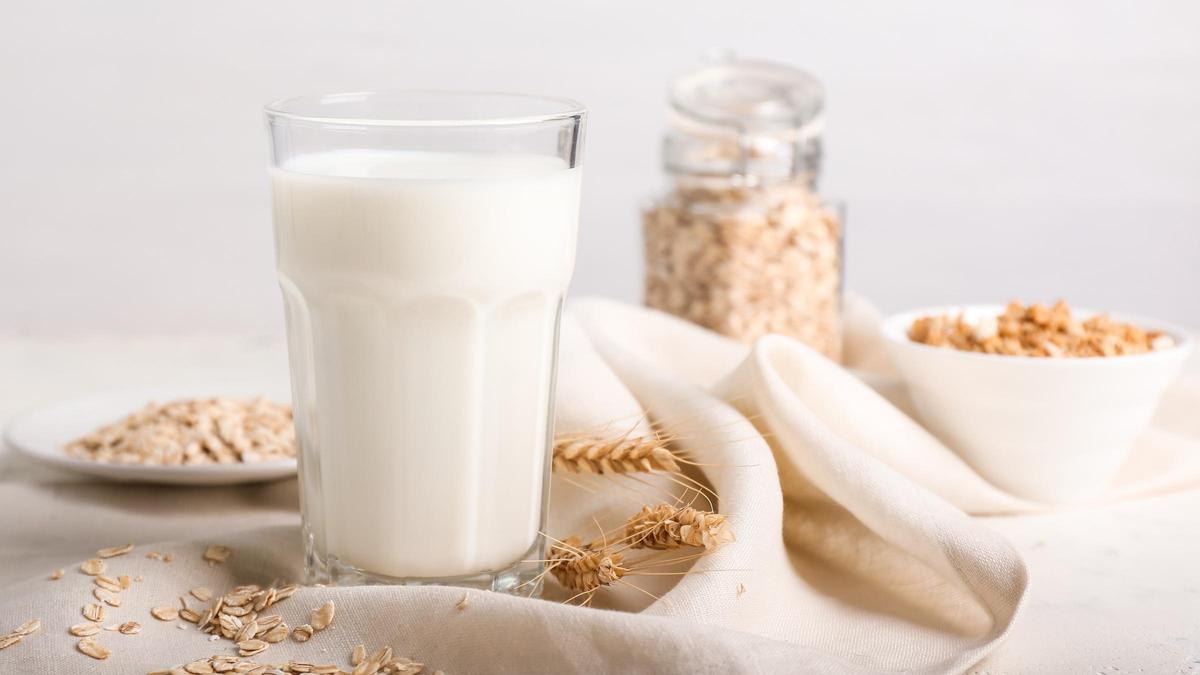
881	572
854	549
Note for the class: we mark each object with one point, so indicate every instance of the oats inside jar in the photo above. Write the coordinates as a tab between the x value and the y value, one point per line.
1039	331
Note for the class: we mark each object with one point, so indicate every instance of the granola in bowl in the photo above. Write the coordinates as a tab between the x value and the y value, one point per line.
1039	331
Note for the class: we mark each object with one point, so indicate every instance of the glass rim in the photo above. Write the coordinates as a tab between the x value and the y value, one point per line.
303	109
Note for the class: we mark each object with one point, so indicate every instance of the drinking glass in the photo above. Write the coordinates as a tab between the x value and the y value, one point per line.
424	243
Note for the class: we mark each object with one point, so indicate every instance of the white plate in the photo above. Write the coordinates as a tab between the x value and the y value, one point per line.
42	434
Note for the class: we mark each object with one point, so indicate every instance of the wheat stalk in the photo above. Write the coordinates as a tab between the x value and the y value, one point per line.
667	526
584	569
626	454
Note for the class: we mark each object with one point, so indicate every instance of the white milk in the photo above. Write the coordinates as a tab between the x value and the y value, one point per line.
423	292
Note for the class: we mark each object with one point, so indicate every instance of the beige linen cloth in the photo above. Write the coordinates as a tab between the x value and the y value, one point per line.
855	552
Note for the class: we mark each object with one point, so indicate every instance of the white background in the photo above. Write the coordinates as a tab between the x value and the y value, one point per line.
984	150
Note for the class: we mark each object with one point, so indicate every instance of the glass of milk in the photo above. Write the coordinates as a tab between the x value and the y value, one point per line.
424	243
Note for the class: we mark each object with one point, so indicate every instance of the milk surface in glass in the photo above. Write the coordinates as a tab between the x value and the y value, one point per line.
422	293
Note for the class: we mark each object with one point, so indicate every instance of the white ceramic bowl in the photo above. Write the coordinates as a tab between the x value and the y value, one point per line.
1052	430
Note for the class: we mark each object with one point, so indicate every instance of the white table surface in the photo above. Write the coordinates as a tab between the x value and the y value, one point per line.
1114	590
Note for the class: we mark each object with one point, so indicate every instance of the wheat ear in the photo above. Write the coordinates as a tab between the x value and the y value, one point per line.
666	526
583	568
626	454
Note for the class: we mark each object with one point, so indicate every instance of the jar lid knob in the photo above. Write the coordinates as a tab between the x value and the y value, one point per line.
755	119
751	95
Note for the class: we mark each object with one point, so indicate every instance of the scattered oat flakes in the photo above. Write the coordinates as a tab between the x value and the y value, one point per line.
237	610
92	566
20	633
266	623
199	667
206	619
236	616
251	647
154	555
741	589
302	633
277	634
234	664
130	628
217	554
463	603
165	613
84	629
57	574
124	582
248	630
168	558
107	583
107	597
406	667
229	625
139	578
93	611
114	551
322	616
358	655
201	593
93	648
384	661
382	656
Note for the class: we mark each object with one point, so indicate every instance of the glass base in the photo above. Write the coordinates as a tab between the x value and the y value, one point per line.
523	577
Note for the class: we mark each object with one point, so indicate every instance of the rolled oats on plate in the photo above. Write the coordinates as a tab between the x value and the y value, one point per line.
193	431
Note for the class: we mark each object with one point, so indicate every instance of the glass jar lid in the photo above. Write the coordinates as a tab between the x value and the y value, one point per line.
756	119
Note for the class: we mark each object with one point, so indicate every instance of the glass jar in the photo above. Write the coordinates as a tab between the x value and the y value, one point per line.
741	242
